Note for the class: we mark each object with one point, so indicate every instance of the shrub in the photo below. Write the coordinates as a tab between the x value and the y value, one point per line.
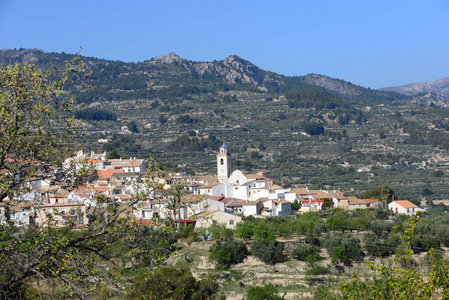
270	252
228	252
306	252
343	247
178	283
266	292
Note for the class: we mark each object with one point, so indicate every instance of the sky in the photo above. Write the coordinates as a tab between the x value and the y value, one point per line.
374	44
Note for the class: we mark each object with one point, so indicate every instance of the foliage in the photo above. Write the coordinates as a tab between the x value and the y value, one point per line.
381	193
95	114
220	232
266	292
245	230
338	220
313	128
77	260
392	280
132	126
228	252
306	252
268	251
195	144
343	247
171	283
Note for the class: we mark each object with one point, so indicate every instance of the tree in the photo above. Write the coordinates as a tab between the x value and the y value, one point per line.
313	128
397	279
343	247
228	252
268	251
35	135
306	252
132	126
171	283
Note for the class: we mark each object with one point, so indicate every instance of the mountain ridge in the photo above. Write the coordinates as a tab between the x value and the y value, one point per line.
439	87
165	70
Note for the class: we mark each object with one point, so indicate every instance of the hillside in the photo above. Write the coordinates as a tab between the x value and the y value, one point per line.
439	87
302	130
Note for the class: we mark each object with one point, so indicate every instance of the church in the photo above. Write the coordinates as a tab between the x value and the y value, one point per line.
248	189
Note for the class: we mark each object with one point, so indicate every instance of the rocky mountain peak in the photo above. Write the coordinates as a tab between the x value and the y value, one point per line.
234	60
170	58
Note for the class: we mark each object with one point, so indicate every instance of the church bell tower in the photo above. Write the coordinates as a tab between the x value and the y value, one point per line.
223	163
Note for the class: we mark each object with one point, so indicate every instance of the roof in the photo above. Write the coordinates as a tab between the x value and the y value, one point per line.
109	172
205	213
102	188
60	205
275	187
249	203
208	186
370	200
405	203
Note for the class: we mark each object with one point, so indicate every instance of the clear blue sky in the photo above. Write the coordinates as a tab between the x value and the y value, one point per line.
371	43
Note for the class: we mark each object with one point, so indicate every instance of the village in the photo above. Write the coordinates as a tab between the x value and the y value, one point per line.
224	198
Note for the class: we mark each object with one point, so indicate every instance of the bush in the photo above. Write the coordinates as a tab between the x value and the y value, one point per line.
306	252
266	292
270	252
343	247
228	252
178	283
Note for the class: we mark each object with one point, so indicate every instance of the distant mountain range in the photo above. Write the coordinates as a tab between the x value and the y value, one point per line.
439	87
166	71
169	70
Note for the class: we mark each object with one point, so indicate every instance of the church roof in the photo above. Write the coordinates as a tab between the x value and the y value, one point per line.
224	146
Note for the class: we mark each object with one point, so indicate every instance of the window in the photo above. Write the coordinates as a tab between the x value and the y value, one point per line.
222	161
231	222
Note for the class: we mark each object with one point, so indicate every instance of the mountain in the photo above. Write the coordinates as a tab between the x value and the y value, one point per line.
115	79
439	87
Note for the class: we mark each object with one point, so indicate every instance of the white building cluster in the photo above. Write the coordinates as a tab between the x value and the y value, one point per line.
223	198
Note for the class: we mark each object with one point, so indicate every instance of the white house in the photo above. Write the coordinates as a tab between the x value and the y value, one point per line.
404	207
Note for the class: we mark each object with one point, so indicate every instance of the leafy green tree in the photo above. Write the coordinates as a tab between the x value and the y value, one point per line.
113	154
228	252
343	247
338	220
171	283
268	251
245	230
313	128
306	252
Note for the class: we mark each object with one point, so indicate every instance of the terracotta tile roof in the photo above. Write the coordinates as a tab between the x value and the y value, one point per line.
370	200
275	187
108	172
405	203
102	188
60	205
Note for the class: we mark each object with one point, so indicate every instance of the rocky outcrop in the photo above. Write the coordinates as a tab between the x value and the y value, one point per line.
332	84
439	87
233	69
